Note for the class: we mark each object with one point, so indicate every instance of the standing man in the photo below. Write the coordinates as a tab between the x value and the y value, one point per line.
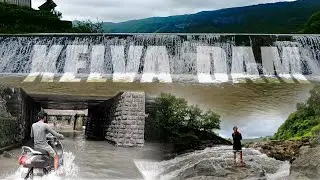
237	147
39	131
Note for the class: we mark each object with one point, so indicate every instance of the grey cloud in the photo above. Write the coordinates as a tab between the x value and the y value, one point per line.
122	10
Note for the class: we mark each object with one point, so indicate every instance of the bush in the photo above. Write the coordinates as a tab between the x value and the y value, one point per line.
180	124
305	122
185	142
87	27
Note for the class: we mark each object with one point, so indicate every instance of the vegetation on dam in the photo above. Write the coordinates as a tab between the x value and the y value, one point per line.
305	122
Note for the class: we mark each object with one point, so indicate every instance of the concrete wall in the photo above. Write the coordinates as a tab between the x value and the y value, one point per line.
120	120
186	57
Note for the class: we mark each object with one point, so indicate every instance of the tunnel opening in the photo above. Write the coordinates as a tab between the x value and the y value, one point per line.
119	119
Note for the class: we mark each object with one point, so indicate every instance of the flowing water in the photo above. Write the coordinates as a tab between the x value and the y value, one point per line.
100	160
257	109
216	161
92	160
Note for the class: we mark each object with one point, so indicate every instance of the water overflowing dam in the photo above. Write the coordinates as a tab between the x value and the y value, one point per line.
162	63
207	58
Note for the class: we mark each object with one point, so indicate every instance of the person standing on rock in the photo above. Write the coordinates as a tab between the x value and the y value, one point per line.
237	147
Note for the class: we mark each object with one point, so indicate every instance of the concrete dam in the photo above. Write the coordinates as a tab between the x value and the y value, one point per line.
164	58
120	117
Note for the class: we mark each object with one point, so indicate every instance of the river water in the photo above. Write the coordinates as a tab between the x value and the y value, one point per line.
101	160
93	159
257	109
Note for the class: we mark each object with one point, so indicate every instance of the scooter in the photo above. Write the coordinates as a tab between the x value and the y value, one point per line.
37	162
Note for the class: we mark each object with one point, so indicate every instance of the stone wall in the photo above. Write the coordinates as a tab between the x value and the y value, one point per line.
120	120
8	131
22	111
127	119
8	124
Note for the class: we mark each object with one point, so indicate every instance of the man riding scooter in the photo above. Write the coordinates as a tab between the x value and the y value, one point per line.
39	130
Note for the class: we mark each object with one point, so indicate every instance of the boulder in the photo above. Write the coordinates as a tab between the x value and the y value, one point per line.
307	165
207	170
281	150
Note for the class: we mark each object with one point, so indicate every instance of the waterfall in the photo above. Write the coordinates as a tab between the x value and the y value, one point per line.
168	58
216	162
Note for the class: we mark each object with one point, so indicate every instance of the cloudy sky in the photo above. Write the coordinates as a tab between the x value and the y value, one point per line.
122	10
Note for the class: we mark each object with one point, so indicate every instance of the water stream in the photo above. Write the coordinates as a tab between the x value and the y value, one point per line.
100	160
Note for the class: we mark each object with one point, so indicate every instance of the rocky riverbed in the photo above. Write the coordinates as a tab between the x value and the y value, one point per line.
303	155
280	150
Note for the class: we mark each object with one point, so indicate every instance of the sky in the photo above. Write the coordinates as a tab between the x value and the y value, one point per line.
123	10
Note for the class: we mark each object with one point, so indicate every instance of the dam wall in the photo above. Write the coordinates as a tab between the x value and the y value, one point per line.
162	58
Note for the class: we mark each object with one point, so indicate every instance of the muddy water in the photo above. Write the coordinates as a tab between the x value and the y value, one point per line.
257	109
93	159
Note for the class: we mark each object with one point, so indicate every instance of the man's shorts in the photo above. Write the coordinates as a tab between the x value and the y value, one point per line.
237	149
50	150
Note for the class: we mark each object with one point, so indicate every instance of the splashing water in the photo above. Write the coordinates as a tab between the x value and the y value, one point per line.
70	168
216	162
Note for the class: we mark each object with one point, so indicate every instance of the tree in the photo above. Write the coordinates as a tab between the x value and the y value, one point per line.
176	120
305	122
313	24
88	26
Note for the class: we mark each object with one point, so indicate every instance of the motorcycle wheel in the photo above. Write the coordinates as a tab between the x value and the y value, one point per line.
30	175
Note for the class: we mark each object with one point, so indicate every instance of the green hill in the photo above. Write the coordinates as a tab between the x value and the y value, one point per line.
282	17
305	122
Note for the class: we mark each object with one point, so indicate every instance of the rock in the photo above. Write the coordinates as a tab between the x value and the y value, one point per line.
316	141
206	170
7	155
303	150
280	150
307	165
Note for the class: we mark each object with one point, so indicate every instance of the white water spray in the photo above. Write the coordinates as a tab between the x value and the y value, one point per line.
70	168
216	159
